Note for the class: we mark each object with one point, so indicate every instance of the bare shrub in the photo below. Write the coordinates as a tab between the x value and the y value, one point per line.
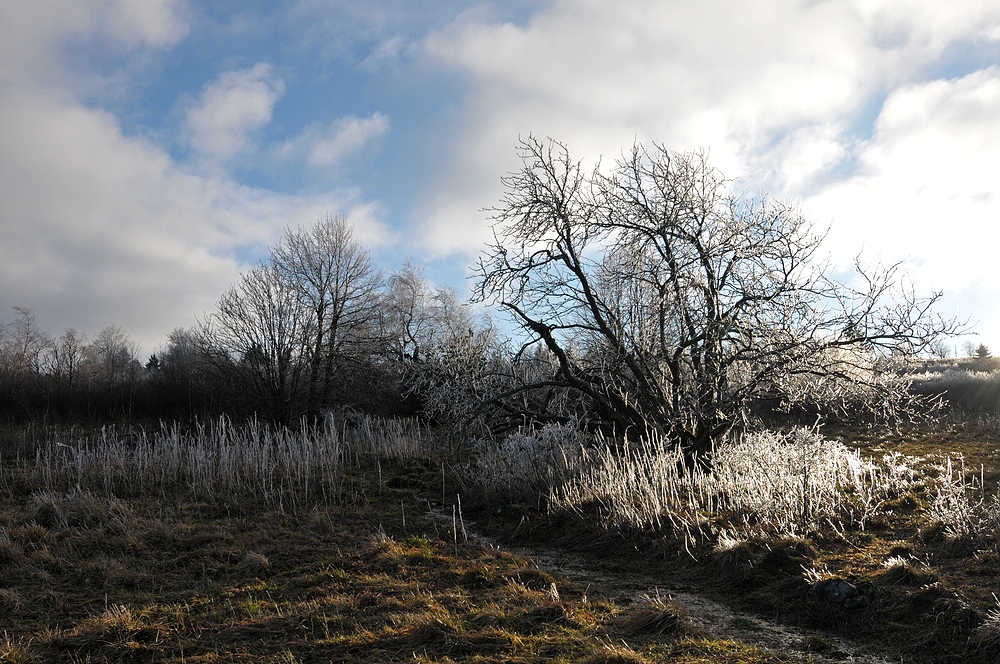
965	389
655	615
78	509
961	507
524	465
254	564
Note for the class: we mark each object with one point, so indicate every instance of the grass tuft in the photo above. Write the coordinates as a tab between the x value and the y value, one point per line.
616	653
655	616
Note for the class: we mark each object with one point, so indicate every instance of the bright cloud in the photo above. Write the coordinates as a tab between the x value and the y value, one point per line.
728	77
324	145
926	188
773	89
231	109
31	32
150	150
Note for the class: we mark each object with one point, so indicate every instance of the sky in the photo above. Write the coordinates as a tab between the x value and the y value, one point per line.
151	150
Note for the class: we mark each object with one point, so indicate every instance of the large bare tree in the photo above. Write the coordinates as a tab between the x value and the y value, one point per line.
339	288
672	304
292	327
255	336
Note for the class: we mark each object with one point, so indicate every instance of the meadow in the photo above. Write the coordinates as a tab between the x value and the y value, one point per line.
368	541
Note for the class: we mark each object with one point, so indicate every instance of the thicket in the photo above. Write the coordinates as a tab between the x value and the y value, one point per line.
970	386
315	327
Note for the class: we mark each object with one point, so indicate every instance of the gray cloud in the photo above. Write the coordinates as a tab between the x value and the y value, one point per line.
99	227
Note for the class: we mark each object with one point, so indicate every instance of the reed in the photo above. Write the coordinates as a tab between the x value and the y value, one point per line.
762	485
270	466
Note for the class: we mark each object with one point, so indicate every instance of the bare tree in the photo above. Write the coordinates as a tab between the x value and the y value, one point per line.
671	304
419	316
113	356
338	287
66	356
451	363
941	349
23	345
256	335
113	370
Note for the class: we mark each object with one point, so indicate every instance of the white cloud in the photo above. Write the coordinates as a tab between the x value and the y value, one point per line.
324	145
31	32
773	88
222	123
100	228
926	187
726	76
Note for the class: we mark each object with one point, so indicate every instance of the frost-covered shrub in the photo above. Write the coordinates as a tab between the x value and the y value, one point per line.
761	485
765	484
793	481
963	389
961	506
525	464
646	486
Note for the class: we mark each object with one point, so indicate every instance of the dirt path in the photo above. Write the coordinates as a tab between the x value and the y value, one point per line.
713	617
721	621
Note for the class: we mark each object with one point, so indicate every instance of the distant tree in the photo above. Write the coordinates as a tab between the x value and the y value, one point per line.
22	348
452	363
982	352
184	379
459	374
338	288
941	349
255	337
299	330
969	348
419	316
66	356
114	370
113	356
673	305
23	345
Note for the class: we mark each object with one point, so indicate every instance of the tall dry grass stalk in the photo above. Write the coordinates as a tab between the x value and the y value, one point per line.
961	504
398	440
765	484
762	485
266	465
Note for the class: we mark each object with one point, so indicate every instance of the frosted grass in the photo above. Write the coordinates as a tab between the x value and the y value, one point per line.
276	467
763	484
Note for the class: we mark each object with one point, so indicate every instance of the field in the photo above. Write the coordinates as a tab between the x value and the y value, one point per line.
360	544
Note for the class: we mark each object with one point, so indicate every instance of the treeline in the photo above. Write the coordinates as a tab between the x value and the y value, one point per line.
649	302
48	378
313	327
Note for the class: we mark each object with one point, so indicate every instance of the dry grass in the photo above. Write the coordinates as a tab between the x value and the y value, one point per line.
104	556
255	465
765	485
127	563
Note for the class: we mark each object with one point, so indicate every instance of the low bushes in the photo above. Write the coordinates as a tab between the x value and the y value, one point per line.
965	390
763	485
